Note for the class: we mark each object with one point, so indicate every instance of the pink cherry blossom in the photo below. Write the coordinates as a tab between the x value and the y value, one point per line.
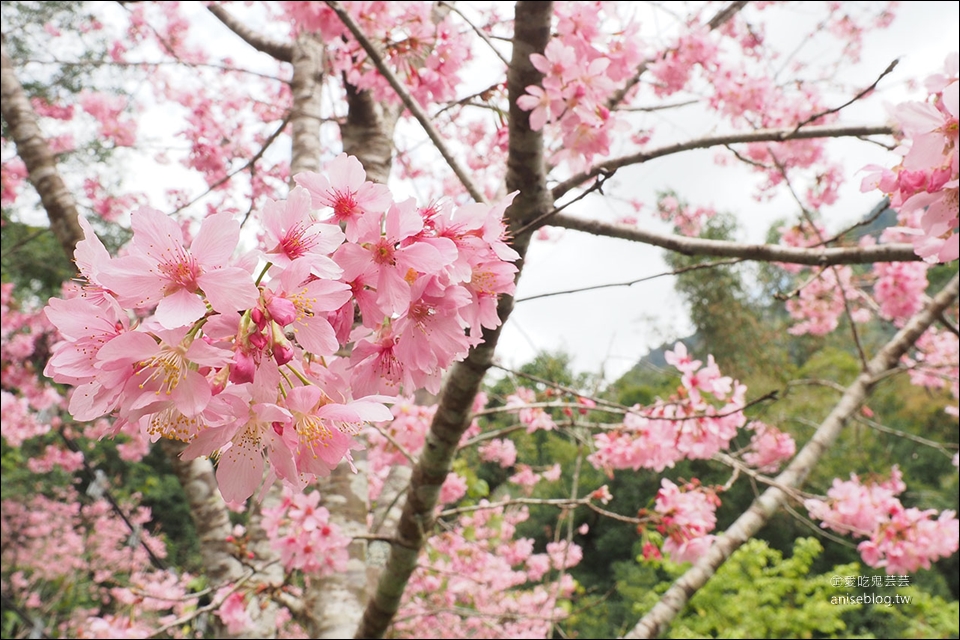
293	234
769	447
161	271
356	203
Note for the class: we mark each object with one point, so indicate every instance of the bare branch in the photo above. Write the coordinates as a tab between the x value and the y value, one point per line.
213	606
630	283
871	217
808	215
724	16
760	135
97	477
403	450
817	116
894	252
939	446
280	50
415	109
763	508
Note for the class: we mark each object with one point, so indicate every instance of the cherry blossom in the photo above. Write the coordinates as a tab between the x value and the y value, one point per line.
898	539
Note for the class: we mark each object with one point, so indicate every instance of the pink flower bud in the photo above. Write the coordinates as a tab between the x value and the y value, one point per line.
281	310
243	368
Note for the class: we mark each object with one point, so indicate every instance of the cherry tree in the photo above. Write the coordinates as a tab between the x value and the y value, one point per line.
308	304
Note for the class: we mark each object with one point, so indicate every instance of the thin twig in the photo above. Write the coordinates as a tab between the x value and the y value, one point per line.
575	489
259	154
876	426
480	32
145	64
817	116
475	192
213	606
820	531
870	218
393	441
836	271
560	503
540	220
565	389
759	135
948	325
629	283
661	107
134	530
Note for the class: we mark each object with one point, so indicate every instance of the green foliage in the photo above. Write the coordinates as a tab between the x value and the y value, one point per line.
33	260
758	593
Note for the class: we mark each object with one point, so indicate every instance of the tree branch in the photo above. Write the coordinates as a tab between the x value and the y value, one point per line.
817	116
306	114
763	508
820	256
41	163
415	110
725	15
760	135
525	172
282	51
630	283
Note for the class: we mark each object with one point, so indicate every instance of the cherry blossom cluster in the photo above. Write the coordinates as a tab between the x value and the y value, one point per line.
899	289
426	55
700	420
923	187
476	563
583	65
301	531
535	418
936	363
898	539
823	300
769	447
480	566
684	516
246	358
24	396
62	546
687	220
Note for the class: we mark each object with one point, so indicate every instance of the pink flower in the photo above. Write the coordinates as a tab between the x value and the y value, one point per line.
294	235
320	428
233	613
161	270
305	303
257	427
499	450
397	261
686	518
768	447
680	359
356	203
454	488
163	371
